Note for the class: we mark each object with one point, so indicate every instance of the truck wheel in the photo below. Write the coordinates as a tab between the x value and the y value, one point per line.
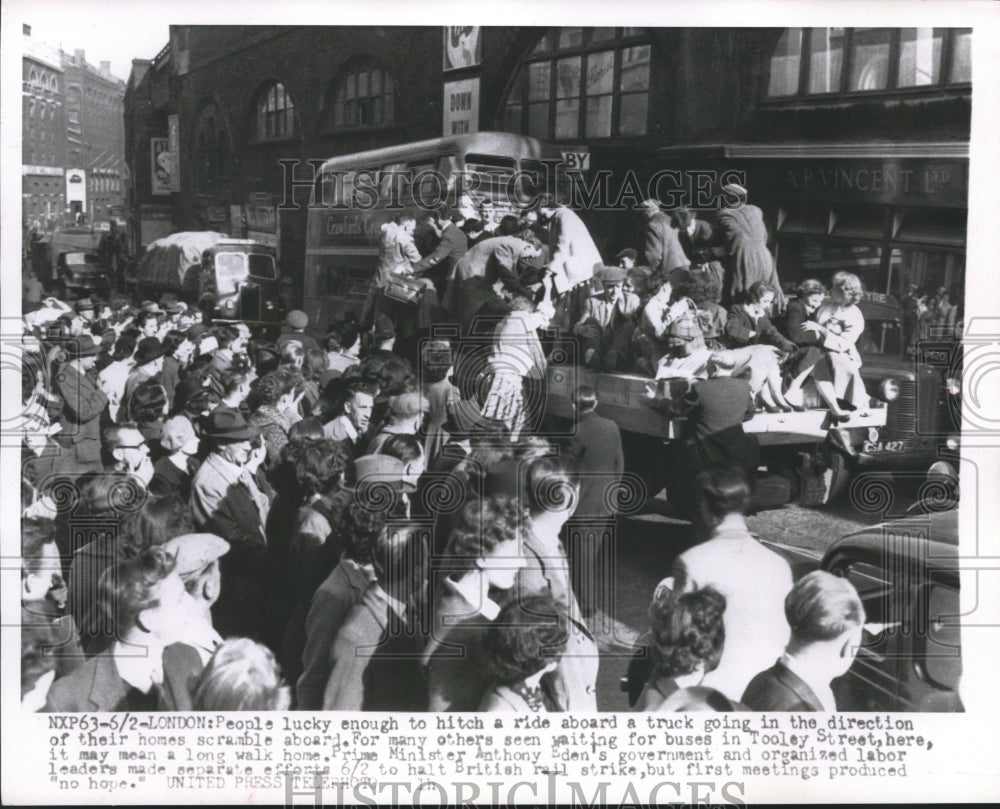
60	290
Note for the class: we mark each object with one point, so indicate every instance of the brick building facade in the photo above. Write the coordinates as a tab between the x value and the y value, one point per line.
854	141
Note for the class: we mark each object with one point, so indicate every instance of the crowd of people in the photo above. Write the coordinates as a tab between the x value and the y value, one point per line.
375	518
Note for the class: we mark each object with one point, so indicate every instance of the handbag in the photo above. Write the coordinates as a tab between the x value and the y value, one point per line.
403	288
684	335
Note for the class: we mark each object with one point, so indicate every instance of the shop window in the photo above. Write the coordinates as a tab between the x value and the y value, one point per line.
363	96
581	83
811	61
275	114
945	228
800	258
858	222
928	270
804	219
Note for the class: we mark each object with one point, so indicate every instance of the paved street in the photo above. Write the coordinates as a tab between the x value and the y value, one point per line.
648	544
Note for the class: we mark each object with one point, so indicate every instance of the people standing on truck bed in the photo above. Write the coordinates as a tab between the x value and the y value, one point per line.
744	252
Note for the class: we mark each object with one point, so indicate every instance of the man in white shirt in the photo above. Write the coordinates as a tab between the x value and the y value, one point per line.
350	425
827	618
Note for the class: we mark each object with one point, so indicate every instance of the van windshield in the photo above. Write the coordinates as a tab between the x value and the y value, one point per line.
230	270
262	266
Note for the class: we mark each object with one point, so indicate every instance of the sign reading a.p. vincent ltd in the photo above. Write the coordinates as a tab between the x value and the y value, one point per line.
903	181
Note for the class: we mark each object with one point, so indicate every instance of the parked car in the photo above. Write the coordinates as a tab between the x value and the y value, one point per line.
906	572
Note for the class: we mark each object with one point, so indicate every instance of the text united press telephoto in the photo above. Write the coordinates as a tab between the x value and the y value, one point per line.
378	379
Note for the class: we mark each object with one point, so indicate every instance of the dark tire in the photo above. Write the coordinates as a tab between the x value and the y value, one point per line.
60	291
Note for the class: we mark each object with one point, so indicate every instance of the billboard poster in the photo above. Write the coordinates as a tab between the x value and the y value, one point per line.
161	166
174	147
461	46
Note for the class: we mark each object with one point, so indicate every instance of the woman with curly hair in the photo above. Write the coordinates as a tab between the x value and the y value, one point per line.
705	290
839	324
241	676
149	408
687	636
277	411
311	557
525	644
801	309
483	554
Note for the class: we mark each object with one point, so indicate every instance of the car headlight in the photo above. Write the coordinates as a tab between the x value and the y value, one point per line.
953	385
888	390
952	442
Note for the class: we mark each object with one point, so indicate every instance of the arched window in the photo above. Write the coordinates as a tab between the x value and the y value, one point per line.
275	114
841	61
362	96
582	83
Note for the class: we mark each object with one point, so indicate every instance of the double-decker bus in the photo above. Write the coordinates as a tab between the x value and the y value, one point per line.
356	194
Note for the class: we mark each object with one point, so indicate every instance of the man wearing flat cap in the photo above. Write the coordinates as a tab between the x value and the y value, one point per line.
297	321
604	317
198	558
83	404
744	253
227	500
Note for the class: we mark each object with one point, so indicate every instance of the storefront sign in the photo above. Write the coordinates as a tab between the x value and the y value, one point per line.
461	46
161	166
174	147
941	183
461	107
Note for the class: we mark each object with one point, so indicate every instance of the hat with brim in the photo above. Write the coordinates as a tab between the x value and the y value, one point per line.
226	424
150	306
82	346
194	552
628	252
84	305
150	349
